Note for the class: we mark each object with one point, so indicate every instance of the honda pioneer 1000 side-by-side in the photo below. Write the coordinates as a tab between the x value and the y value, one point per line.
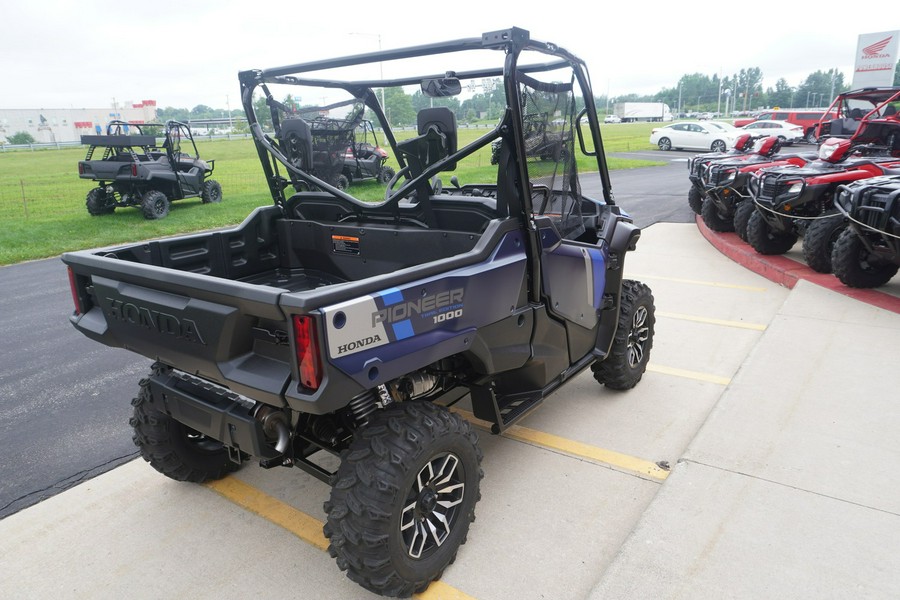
133	171
325	325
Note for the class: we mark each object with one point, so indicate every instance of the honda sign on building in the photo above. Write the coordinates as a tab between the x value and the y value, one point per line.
876	55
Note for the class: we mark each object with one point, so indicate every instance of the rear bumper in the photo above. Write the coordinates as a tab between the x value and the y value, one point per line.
212	411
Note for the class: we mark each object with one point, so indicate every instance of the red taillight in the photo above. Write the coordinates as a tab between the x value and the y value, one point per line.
75	298
134	169
81	168
308	360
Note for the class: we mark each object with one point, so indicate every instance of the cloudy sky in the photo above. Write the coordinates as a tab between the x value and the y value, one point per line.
56	54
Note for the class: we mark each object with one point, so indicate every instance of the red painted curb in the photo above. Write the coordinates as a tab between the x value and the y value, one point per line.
787	272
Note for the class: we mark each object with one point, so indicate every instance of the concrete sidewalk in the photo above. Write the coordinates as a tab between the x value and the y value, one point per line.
791	488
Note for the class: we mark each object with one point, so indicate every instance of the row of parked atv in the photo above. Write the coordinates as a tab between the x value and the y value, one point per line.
843	200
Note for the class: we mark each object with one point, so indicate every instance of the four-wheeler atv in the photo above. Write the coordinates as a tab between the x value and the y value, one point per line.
726	200
133	171
698	164
793	201
867	252
328	325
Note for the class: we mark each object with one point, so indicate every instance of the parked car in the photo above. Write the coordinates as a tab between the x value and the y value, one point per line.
788	133
708	135
808	119
612	119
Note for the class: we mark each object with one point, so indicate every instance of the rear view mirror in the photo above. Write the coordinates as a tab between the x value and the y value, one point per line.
441	87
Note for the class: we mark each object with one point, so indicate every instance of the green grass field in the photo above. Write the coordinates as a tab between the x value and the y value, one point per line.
42	212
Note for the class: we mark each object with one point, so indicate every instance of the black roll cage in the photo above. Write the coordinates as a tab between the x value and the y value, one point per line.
511	41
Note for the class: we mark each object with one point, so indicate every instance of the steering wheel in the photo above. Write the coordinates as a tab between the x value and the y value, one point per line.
389	189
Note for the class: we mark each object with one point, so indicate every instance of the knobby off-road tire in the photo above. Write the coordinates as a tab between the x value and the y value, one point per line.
630	351
742	214
387	173
855	266
98	202
714	219
818	242
212	191
695	199
155	205
173	449
765	240
403	498
341	182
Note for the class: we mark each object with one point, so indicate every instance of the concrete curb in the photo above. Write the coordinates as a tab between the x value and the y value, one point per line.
787	272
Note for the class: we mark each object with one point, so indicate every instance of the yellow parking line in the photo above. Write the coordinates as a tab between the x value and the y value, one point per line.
688	374
307	528
304	526
438	590
723	322
577	449
735	286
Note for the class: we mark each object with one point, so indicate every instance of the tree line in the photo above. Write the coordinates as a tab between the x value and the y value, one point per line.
740	92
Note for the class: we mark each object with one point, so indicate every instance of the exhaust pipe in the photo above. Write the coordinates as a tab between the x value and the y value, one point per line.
275	425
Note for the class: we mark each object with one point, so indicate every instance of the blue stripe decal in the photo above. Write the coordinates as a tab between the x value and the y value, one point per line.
599	265
403	329
391	296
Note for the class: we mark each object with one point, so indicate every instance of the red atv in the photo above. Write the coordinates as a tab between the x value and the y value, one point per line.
697	165
725	184
799	201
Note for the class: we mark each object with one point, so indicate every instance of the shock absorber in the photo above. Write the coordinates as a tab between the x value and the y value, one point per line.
363	406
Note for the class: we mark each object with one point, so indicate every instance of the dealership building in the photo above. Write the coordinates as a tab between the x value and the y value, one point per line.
57	125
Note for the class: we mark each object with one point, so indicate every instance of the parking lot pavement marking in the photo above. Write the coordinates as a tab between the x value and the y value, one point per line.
610	458
438	590
304	526
723	322
735	286
307	528
688	374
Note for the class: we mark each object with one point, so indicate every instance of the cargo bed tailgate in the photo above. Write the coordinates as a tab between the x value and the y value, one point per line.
227	331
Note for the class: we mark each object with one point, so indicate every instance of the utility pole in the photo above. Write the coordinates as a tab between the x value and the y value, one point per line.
380	67
833	77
